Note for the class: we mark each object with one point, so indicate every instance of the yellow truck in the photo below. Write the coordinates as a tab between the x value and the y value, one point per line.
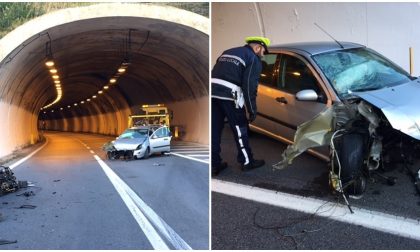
151	114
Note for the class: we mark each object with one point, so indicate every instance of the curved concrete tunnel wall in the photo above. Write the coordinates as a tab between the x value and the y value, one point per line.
169	64
389	28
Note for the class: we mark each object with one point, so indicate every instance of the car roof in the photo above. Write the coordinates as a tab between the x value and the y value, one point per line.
148	126
313	48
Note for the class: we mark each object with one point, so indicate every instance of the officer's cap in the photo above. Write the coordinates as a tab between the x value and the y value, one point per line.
259	40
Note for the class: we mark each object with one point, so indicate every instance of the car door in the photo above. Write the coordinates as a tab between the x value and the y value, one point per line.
279	112
160	140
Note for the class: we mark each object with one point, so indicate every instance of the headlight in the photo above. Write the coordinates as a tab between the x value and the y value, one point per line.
138	147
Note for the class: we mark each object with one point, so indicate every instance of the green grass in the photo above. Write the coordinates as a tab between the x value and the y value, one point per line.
13	15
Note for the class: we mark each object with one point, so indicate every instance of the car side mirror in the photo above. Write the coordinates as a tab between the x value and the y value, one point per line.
154	137
307	95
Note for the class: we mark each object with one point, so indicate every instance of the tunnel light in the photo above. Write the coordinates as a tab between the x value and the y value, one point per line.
75	104
82	102
55	76
53	71
68	106
45	112
88	100
57	81
49	63
112	80
106	87
52	110
100	92
121	70
296	73
61	108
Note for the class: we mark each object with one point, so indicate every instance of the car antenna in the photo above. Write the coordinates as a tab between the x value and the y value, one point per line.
329	35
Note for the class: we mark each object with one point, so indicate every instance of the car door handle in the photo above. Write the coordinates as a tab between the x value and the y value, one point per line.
281	100
165	139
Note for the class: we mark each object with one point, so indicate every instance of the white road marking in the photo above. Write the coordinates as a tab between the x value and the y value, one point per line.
14	165
198	155
138	215
190	151
144	215
191	158
87	147
392	224
91	151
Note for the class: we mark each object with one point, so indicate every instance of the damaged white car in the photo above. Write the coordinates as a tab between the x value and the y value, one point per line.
347	97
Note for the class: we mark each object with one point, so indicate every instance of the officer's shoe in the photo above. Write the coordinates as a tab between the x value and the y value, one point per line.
215	170
253	164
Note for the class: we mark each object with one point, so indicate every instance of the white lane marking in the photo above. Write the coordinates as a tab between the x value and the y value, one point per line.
392	224
190	151
87	147
198	155
191	158
138	215
145	211
193	149
14	165
91	151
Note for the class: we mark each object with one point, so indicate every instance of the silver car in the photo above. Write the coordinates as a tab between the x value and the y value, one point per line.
354	106
140	142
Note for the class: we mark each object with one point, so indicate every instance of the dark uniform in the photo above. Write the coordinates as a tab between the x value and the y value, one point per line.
234	83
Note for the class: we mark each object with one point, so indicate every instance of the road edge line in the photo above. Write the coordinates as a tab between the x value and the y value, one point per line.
379	221
22	160
187	157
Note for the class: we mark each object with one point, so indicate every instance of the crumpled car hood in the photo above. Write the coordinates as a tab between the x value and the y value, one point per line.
128	143
400	105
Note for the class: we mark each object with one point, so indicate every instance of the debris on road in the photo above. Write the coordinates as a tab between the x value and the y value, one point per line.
4	242
158	164
8	182
26	194
26	207
57	180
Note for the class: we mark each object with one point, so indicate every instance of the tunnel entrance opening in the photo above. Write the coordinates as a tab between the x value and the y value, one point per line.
163	51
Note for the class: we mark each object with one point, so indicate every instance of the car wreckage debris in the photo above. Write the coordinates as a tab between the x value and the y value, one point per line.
8	182
362	144
4	242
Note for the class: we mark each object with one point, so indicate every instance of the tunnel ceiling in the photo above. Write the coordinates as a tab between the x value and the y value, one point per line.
168	62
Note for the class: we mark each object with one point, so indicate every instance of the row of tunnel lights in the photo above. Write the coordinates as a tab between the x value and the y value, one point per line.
56	78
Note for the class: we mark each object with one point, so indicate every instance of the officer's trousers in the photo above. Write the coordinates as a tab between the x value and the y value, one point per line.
238	122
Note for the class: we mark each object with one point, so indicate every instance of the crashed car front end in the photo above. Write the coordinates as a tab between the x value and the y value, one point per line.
370	130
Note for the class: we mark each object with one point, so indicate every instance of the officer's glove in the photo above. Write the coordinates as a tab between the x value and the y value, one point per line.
252	117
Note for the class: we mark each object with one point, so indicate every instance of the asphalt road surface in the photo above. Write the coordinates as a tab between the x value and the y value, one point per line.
295	209
84	201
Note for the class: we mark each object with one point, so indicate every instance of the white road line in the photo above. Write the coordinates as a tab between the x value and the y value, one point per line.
14	165
392	224
198	155
91	151
143	214
147	228
87	147
191	158
190	151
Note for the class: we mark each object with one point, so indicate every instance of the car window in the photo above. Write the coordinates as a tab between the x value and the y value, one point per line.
133	133
359	69
295	76
160	133
266	76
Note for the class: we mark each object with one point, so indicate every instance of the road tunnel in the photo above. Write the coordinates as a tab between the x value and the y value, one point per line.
109	59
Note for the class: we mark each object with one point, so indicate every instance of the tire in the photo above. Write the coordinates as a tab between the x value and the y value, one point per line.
351	154
147	153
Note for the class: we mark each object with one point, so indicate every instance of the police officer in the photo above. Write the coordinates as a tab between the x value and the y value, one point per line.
234	84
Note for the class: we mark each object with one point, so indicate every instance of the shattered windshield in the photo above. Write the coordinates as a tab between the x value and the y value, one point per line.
133	133
359	69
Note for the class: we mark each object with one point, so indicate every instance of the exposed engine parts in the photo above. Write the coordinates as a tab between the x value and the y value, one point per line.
8	182
363	144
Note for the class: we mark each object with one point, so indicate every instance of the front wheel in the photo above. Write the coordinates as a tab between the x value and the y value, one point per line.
351	154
